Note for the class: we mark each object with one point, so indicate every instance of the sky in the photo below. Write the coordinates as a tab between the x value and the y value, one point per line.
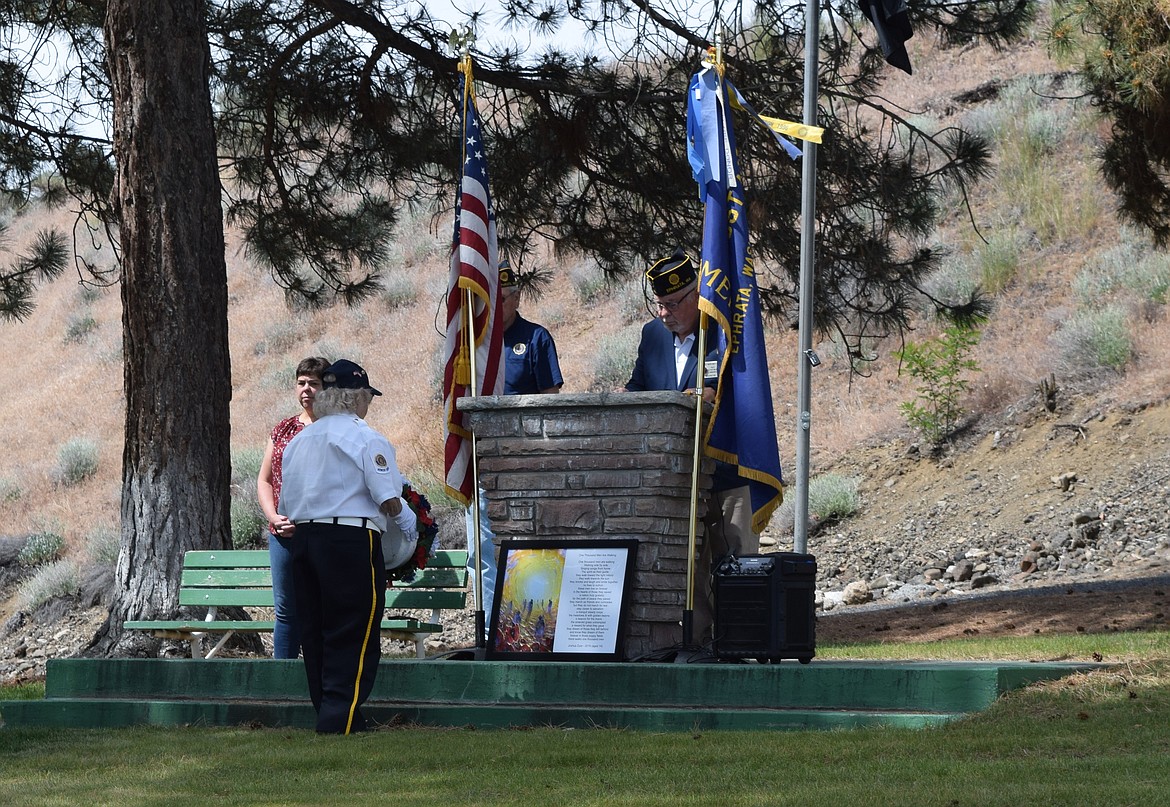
572	35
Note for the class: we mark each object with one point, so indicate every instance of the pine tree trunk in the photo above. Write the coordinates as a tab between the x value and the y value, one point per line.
176	465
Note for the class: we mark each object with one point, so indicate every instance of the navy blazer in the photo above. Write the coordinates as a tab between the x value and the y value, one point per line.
654	368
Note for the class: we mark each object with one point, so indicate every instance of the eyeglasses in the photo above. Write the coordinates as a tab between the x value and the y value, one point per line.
670	308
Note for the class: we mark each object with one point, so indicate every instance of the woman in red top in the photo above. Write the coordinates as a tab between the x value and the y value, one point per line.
286	636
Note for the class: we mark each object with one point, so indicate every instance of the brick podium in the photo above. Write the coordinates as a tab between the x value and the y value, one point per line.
590	466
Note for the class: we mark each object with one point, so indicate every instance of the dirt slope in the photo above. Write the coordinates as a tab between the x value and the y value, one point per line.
1016	498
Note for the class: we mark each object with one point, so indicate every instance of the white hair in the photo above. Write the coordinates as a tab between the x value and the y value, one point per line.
338	401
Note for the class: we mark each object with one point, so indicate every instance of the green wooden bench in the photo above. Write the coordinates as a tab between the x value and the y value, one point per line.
242	577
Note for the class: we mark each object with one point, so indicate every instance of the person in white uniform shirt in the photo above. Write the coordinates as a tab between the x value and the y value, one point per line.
341	484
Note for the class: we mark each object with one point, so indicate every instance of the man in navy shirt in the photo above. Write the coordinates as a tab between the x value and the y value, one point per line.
530	356
668	350
530	367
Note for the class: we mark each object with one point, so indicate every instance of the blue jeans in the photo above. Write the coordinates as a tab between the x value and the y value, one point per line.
286	636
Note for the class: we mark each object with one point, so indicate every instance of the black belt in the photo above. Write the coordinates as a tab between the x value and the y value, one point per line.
344	521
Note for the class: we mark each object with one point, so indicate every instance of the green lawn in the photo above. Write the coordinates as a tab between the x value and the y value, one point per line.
1097	738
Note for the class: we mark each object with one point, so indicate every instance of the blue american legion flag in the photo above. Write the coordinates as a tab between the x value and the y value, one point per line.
474	269
742	430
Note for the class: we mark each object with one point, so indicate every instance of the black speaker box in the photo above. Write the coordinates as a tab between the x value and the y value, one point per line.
765	607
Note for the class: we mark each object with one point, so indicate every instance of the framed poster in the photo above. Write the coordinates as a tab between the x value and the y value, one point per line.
561	600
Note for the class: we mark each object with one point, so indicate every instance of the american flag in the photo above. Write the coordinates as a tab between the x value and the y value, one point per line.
474	269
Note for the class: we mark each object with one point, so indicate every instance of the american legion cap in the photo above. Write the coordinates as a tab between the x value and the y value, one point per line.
344	374
508	277
672	274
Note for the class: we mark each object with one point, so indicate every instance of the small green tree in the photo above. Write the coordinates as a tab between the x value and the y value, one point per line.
939	365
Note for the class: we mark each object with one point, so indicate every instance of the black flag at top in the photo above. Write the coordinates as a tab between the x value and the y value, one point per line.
893	29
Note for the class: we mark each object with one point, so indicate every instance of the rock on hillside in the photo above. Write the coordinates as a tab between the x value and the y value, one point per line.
1037	499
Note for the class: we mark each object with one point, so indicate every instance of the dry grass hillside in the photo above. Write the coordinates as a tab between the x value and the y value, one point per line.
1054	256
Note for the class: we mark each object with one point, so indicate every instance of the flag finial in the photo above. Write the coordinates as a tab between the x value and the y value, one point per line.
460	40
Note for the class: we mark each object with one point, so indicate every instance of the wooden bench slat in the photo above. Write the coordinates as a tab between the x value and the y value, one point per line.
430	577
449	558
262	598
435	578
250	597
259	625
256	578
258	558
199	625
225	558
409	598
226	578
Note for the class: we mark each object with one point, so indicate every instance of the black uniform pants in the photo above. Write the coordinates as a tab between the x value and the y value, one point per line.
340	585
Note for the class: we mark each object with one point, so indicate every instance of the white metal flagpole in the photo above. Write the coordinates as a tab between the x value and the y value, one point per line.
806	359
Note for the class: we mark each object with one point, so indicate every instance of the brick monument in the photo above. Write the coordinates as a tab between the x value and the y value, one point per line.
599	466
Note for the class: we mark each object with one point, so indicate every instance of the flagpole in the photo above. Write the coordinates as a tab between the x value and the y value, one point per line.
464	40
468	302
806	359
480	639
700	384
700	380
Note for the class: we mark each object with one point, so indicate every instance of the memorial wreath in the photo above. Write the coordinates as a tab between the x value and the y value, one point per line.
428	530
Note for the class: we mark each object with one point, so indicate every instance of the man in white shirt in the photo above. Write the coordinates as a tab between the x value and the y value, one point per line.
341	484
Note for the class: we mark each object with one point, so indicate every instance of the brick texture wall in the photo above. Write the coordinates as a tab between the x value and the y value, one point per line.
589	466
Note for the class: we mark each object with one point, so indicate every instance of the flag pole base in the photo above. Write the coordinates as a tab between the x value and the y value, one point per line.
480	631
688	626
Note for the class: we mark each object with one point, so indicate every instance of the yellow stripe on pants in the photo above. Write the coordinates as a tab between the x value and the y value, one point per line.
366	640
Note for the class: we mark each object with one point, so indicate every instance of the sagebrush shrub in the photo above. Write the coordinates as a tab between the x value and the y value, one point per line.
41	547
79	326
247	519
415	241
999	260
102	545
399	291
249	527
433	488
58	579
77	460
589	284
1095	339
954	282
279	338
615	357
10	490
633	303
832	496
89	293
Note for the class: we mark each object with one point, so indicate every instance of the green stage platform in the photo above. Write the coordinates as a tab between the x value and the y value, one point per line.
497	694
